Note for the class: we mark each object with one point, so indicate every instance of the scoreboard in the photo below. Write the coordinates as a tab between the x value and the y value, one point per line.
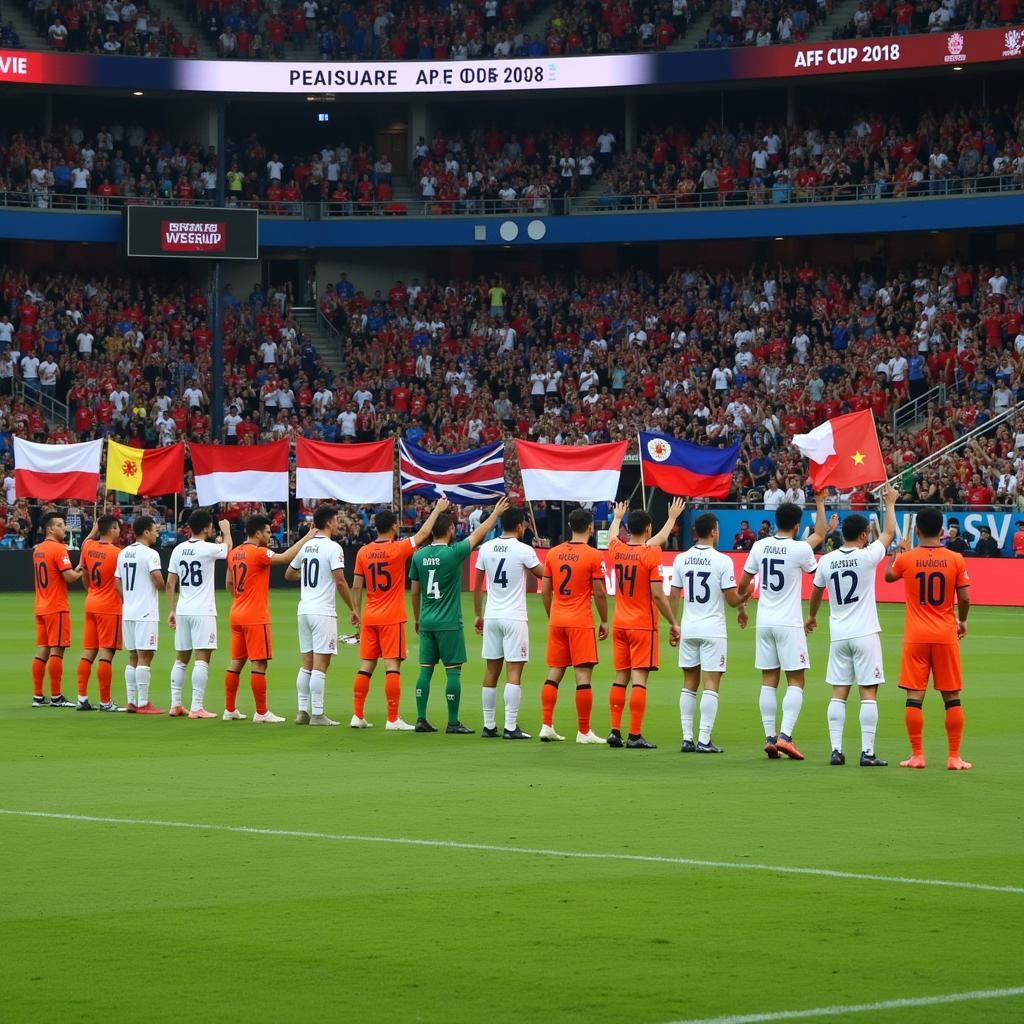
192	232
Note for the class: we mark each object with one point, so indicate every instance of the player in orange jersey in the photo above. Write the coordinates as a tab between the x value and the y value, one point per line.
53	572
935	581
102	633
573	577
249	582
380	572
639	599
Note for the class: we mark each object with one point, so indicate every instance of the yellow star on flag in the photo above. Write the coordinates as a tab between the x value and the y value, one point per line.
858	458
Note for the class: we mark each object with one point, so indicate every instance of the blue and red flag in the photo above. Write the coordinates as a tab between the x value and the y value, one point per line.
688	470
475	477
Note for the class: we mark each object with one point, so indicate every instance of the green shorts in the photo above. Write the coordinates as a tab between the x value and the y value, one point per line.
444	646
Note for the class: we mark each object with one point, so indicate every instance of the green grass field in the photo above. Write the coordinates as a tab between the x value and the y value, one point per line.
347	918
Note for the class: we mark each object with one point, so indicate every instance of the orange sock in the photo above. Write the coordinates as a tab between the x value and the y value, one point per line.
616	702
38	674
105	673
55	667
230	690
84	671
392	693
258	681
913	717
954	726
584	705
637	707
548	700
359	692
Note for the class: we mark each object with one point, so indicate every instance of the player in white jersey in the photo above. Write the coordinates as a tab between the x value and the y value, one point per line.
706	581
139	580
855	648
778	564
320	565
194	619
507	563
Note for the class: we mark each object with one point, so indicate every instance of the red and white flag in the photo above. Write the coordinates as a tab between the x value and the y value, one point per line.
556	472
240	473
54	471
843	452
361	474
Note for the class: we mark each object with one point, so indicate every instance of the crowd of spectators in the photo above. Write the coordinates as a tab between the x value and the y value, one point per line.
763	22
904	17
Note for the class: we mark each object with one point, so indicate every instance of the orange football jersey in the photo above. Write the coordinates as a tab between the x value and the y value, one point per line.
382	565
50	560
99	567
636	567
931	576
572	568
249	565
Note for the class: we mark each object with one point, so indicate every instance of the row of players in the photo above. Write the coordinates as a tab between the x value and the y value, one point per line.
122	610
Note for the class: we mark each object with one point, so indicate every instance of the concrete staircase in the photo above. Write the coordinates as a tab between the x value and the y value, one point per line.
842	12
407	191
174	10
17	14
695	31
327	343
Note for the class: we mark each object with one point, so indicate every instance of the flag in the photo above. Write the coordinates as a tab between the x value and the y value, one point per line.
240	472
53	471
555	472
465	478
361	474
684	469
844	452
145	471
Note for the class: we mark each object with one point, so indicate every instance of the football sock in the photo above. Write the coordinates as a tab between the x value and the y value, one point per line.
868	725
489	699
105	674
637	707
513	695
392	693
423	690
302	688
360	689
584	705
708	713
142	675
84	671
837	722
230	690
55	668
200	677
258	682
38	675
453	691
548	699
177	684
791	705
616	702
954	726
913	718
687	711
769	704
129	685
317	687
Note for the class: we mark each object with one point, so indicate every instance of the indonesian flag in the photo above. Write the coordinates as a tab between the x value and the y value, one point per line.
844	452
361	474
555	472
50	472
240	473
146	471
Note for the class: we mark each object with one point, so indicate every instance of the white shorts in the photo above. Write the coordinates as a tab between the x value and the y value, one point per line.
506	638
318	634
195	633
140	636
855	662
782	647
709	653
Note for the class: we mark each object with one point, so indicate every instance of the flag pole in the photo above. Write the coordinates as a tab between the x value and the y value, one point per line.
643	485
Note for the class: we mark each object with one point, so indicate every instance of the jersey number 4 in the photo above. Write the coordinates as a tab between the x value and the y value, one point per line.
625	579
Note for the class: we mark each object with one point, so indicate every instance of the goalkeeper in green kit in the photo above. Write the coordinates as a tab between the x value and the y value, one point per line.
436	574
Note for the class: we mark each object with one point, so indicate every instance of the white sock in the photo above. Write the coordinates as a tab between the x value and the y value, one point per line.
302	687
791	705
708	710
129	684
489	699
769	704
177	683
513	695
868	725
687	711
837	722
142	683
200	675
317	686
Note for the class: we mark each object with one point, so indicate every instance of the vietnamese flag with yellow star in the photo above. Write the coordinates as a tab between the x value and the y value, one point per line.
145	471
844	452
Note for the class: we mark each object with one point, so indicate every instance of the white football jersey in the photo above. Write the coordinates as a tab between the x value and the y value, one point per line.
702	574
777	564
316	561
193	563
507	562
849	576
141	597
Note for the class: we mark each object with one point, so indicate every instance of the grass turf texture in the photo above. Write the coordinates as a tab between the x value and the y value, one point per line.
108	922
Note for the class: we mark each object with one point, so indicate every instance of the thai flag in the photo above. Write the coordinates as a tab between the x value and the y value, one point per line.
466	478
684	469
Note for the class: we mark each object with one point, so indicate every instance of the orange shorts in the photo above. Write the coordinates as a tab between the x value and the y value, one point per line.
634	648
102	631
568	646
251	642
941	661
386	642
53	630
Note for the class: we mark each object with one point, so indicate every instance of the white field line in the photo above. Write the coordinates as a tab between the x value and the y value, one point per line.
523	851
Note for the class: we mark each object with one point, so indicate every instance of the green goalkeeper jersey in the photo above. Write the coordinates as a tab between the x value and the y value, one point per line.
438	568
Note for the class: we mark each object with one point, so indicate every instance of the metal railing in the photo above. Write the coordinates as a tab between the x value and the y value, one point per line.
52	409
313	316
909	413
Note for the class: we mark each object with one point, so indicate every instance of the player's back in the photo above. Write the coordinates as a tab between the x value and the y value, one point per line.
49	561
849	576
506	562
572	568
316	562
249	565
135	563
99	566
779	564
382	565
702	574
194	563
438	569
931	576
635	567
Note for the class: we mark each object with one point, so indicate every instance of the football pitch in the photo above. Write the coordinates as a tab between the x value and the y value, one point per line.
159	869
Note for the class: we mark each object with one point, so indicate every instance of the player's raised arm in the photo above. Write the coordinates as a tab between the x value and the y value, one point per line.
426	531
285	557
894	570
620	513
225	535
889	496
675	510
485	527
820	526
601	604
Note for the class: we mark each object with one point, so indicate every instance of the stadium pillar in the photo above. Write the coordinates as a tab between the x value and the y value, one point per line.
419	125
791	111
216	279
629	133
